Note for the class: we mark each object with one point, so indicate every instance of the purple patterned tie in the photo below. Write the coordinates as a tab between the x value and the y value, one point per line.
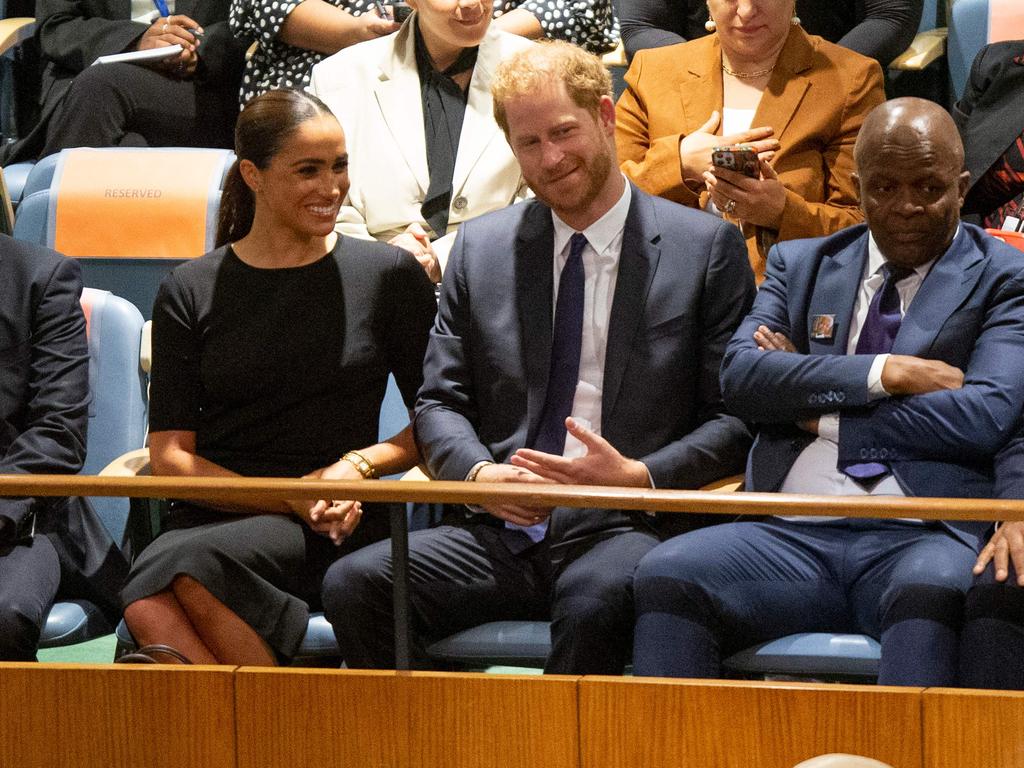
564	374
876	338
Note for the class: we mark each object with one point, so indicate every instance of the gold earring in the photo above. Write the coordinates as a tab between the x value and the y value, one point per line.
710	25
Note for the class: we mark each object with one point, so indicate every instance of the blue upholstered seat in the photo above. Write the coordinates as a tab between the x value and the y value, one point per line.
74	621
15	177
810	654
135	279
513	643
968	33
117	424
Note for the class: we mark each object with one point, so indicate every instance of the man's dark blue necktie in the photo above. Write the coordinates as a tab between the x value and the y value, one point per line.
566	342
876	338
564	375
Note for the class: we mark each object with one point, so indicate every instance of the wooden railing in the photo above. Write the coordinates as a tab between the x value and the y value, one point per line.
275	489
226	717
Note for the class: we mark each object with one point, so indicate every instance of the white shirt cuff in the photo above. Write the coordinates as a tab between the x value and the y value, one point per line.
875	389
828	426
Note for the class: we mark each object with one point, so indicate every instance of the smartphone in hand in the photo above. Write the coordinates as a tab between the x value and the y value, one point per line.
739	157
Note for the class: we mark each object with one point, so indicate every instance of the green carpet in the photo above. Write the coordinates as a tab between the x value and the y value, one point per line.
98	651
101	651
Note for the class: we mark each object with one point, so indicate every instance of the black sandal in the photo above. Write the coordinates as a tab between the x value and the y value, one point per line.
145	655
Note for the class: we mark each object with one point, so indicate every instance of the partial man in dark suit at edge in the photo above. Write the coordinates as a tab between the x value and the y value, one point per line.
885	360
48	546
578	340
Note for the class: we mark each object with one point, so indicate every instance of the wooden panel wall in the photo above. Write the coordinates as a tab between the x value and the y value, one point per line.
477	721
729	724
99	716
317	718
314	717
973	728
107	716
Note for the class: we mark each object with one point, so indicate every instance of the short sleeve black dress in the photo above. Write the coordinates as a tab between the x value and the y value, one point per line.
278	372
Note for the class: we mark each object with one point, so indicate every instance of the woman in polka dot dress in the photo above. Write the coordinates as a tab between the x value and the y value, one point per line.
294	35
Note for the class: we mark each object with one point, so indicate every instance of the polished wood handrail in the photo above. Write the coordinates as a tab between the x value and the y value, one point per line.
274	489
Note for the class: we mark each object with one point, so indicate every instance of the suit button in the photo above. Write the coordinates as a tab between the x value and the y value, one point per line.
812	399
873	454
460	203
840	396
883	454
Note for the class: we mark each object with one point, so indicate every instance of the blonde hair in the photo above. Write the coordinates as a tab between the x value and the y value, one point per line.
532	69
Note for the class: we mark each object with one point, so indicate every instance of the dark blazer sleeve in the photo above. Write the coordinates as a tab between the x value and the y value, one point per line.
656	23
1009	469
74	33
784	387
409	318
221	52
886	29
717	446
445	422
951	425
988	116
51	423
977	83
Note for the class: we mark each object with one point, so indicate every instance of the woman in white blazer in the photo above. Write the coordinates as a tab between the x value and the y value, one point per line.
376	91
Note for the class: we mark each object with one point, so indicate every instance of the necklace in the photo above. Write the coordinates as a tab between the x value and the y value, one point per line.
747	75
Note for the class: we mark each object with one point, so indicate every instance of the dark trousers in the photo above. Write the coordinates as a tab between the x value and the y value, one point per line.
992	643
464	576
29	577
703	596
112	105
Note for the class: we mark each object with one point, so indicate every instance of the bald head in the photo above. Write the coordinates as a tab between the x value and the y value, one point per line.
909	122
912	183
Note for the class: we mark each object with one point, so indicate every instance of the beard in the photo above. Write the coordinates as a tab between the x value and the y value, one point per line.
596	173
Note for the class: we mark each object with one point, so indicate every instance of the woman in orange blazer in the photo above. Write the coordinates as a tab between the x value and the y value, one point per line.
758	80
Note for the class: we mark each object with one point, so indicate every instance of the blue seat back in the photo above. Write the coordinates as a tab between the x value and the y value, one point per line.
15	176
117	413
968	33
135	279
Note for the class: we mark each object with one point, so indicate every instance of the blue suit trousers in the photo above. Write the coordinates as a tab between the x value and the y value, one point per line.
702	596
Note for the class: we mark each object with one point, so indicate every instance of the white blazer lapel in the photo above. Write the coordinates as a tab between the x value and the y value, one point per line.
398	95
478	126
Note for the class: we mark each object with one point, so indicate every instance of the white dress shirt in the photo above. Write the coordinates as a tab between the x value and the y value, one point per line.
601	271
816	468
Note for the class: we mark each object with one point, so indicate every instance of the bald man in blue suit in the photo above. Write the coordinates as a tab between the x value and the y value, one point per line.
881	360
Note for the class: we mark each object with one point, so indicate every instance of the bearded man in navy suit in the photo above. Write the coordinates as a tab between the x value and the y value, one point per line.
578	340
880	360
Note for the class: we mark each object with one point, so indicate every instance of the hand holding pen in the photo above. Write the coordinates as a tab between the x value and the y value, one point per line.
176	29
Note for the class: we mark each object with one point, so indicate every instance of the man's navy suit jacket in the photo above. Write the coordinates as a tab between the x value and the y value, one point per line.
44	411
684	283
968	312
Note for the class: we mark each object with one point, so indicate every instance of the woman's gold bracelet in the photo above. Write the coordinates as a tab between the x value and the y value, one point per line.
362	464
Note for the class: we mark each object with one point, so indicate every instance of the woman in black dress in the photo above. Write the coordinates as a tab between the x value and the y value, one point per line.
270	358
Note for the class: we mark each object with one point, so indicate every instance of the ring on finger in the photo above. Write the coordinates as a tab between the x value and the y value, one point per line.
163	30
730	206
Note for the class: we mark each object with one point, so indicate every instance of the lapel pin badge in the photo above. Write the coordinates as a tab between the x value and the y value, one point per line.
823	327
